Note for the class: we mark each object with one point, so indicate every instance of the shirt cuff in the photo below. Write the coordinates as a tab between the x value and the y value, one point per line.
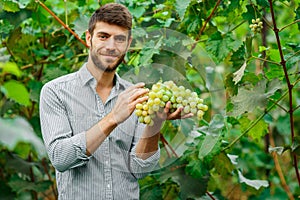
144	166
79	143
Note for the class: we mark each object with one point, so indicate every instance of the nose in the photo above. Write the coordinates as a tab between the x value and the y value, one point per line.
110	43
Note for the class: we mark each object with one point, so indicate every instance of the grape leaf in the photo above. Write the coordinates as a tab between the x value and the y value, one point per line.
238	57
256	132
19	185
253	183
250	14
16	91
181	7
220	46
274	55
213	134
248	100
223	165
11	68
137	12
263	3
19	130
10	6
80	24
148	51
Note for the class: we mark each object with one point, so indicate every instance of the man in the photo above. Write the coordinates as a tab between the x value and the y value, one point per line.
93	140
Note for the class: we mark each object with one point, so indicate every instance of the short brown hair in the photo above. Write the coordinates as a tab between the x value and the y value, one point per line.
111	13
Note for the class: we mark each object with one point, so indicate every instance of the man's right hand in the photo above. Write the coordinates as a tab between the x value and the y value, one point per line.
127	101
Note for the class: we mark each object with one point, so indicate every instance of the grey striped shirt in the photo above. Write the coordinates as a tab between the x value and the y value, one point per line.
69	106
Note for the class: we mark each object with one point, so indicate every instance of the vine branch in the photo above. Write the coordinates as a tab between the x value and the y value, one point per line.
206	22
62	23
290	86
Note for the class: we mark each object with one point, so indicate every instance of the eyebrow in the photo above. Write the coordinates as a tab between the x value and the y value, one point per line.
107	34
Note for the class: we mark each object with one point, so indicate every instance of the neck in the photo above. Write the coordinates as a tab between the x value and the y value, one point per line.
104	79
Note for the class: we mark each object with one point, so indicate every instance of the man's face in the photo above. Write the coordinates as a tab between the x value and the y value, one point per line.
108	46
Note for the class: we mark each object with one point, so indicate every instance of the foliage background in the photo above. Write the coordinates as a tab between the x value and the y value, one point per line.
246	147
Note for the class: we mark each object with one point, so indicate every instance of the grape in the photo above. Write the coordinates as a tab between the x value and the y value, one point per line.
256	25
165	98
157	101
163	92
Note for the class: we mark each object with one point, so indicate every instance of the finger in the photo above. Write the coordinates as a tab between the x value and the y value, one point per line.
176	114
167	107
187	115
133	87
139	92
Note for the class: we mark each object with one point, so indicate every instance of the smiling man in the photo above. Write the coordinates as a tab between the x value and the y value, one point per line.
97	146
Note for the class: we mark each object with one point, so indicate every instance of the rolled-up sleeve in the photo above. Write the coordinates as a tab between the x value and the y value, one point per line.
65	150
142	167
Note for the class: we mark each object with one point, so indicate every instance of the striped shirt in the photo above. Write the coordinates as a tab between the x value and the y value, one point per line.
69	106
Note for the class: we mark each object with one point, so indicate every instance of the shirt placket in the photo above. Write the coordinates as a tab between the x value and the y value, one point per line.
106	156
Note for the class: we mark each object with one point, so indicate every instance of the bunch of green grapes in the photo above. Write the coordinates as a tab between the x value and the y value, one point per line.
179	96
256	25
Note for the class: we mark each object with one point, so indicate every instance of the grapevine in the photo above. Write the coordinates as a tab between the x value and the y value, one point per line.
163	92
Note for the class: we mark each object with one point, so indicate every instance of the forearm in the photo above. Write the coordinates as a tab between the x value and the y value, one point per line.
148	143
98	133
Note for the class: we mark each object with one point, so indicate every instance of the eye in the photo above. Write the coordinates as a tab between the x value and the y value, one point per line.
103	36
120	38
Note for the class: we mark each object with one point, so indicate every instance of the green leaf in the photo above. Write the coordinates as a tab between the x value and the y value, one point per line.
196	168
35	89
16	164
253	183
190	187
238	57
10	6
220	46
16	91
208	145
223	165
137	12
263	3
19	185
11	68
283	125
81	25
18	130
213	135
150	188
274	55
151	48
231	87
250	14
256	132
181	7
5	26
248	100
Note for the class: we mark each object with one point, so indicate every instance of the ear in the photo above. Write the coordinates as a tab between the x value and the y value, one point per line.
129	42
88	38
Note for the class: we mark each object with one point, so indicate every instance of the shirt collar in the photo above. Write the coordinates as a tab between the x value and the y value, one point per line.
87	77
